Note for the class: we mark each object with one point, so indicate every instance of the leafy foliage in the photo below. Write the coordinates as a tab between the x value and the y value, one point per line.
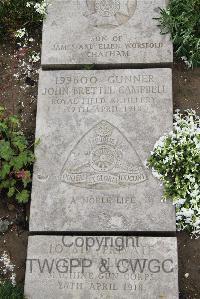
16	14
15	158
182	20
175	160
8	291
88	66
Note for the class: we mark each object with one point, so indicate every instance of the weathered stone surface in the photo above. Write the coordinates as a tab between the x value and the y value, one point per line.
110	32
101	268
97	129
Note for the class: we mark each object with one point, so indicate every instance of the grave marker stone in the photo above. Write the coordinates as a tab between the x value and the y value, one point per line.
96	267
112	32
97	129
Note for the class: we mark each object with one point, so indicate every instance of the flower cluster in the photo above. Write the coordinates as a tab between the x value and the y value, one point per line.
175	160
40	8
7	268
22	38
188	63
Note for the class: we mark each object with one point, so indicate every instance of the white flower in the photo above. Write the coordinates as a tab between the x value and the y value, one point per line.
195	192
41	8
156	174
188	213
20	33
176	155
13	279
180	201
188	63
8	267
35	57
160	142
28	4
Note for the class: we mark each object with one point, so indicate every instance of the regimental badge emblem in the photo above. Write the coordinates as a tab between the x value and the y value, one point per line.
107	8
108	13
103	159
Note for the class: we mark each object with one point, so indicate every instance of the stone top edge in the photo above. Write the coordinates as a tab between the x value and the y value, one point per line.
107	70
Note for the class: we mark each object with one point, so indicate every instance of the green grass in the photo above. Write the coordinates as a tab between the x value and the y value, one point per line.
8	291
182	20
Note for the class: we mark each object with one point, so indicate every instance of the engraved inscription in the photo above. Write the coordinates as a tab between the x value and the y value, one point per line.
82	94
103	267
103	159
109	13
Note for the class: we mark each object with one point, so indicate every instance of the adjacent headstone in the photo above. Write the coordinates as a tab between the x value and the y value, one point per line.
96	130
103	32
101	268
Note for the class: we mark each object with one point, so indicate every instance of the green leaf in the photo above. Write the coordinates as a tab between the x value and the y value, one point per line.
88	66
3	126
13	182
5	170
23	196
2	110
5	184
11	192
20	142
37	141
6	151
14	120
22	160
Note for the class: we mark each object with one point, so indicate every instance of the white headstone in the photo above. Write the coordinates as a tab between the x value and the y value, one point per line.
96	130
112	32
101	267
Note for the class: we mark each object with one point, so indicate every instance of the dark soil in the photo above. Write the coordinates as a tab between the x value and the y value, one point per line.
14	242
19	95
189	257
186	88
